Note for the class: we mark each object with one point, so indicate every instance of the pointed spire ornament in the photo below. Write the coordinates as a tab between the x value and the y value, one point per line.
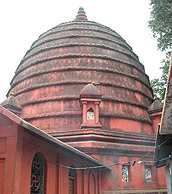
81	16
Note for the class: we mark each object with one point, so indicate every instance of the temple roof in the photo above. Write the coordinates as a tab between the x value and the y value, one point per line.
64	59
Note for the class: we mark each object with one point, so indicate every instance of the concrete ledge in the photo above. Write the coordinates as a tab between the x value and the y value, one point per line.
151	191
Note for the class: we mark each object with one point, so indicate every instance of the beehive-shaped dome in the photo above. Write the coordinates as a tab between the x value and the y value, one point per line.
63	60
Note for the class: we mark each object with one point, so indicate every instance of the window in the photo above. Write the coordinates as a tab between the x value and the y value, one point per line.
125	173
148	174
72	181
37	175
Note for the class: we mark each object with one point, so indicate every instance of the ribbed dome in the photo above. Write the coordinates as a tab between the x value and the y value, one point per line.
64	60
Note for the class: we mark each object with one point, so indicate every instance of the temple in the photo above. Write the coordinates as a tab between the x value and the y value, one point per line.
80	117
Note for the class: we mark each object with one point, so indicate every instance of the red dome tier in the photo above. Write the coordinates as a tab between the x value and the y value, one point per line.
64	60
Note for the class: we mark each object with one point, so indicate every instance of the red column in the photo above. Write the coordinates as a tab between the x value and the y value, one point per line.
84	115
97	112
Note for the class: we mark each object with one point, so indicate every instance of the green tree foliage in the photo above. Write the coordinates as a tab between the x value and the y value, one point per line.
159	84
161	25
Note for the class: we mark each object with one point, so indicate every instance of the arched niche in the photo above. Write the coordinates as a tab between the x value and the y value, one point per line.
37	175
92	183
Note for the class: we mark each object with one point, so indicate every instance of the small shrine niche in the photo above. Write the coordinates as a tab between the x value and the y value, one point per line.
125	173
148	174
90	114
90	98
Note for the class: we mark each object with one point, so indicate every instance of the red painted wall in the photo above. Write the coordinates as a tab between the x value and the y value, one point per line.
2	161
17	149
112	181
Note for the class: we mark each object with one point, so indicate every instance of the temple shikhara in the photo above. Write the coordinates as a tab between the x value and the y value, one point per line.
80	117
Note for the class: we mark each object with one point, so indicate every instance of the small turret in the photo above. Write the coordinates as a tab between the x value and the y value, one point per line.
12	104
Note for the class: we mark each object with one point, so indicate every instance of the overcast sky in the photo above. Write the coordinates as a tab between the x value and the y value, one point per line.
23	21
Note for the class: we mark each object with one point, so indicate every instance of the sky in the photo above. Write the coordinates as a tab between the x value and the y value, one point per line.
23	21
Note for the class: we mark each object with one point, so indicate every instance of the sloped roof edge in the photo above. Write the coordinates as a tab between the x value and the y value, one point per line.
46	136
166	121
162	149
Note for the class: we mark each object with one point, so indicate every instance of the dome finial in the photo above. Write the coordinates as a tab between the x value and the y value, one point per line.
81	16
81	9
